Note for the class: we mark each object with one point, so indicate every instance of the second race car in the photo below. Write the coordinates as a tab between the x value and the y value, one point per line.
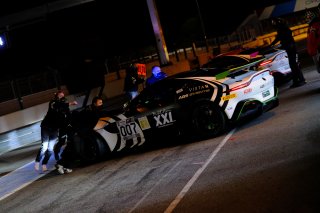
276	60
259	58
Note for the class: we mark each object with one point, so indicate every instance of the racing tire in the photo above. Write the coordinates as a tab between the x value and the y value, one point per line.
90	147
207	121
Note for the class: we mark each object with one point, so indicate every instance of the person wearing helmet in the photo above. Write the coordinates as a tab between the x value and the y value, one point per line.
313	35
157	75
284	36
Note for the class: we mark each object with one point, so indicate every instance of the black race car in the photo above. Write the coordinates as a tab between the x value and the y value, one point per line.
197	104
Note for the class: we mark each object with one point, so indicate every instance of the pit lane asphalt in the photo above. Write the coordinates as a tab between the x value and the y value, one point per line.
27	168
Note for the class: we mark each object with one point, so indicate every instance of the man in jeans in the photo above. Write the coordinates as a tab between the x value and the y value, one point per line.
50	126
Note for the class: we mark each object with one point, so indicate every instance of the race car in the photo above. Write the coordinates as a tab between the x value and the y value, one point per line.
276	60
197	104
258	58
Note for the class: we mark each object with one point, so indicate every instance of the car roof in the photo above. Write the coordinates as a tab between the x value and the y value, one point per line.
232	61
260	50
203	72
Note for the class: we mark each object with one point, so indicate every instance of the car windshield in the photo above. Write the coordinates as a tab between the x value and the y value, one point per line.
159	94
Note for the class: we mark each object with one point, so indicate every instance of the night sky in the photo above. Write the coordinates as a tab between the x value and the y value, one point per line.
123	26
105	29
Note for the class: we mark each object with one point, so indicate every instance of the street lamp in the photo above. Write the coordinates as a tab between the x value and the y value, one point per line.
202	26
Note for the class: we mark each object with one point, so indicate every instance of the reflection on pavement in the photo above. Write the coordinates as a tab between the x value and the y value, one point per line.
19	138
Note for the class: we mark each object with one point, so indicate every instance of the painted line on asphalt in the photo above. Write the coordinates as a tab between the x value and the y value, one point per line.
18	179
186	188
147	194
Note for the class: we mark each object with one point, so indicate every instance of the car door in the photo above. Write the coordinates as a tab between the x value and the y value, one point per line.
156	110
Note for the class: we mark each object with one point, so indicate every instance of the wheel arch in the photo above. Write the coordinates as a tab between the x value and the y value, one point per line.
90	146
219	115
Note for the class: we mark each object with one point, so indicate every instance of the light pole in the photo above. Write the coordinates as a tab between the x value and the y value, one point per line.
202	26
157	29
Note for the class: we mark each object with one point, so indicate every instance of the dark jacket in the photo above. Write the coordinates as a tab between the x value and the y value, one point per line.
132	79
284	35
58	114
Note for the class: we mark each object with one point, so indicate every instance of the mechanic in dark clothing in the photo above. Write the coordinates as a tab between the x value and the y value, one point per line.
94	111
64	130
157	75
89	116
56	117
284	35
131	81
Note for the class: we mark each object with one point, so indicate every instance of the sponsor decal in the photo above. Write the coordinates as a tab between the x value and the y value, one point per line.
183	96
248	90
193	93
228	97
128	129
179	91
230	108
144	123
199	92
163	119
265	93
197	88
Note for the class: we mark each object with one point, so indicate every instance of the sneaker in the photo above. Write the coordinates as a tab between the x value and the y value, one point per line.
60	169
66	170
44	168
36	166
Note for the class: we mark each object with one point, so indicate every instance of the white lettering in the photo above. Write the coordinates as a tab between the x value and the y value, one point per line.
157	118
163	119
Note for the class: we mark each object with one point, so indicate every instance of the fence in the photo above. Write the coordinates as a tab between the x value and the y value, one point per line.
23	86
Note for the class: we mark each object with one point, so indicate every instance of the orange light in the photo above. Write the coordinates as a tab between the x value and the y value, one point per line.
142	70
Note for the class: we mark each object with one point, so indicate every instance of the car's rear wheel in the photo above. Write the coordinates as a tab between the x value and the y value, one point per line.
90	147
208	120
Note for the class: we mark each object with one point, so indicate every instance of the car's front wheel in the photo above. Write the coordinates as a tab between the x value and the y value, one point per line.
207	120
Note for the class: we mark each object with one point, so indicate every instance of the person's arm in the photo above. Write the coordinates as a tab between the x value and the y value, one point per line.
73	103
276	40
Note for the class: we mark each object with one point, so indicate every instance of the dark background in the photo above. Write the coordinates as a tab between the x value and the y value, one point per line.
106	30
